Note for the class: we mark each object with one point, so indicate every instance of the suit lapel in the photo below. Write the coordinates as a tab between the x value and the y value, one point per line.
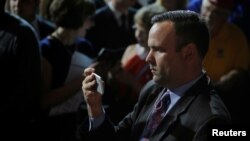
172	117
157	90
147	108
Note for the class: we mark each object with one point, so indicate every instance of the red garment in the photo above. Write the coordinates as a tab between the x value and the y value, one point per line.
139	70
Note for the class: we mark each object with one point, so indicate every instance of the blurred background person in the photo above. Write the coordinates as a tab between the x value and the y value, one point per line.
239	15
228	47
28	10
228	56
20	75
66	53
113	27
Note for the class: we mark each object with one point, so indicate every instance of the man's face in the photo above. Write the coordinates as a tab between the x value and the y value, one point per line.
165	63
24	8
213	15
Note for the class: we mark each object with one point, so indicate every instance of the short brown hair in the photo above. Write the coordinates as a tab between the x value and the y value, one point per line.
71	13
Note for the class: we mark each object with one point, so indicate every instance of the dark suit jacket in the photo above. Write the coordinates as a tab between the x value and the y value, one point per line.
20	78
106	32
188	120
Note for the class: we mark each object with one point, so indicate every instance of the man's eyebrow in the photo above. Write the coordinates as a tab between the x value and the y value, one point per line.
157	48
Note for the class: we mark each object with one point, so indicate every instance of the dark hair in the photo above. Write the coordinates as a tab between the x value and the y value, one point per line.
71	13
189	28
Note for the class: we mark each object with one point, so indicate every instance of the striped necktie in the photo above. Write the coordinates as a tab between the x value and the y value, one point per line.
158	113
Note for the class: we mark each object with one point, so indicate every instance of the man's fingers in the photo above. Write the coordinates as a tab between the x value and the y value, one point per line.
88	71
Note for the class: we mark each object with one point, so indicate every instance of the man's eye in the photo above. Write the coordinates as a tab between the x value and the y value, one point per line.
159	49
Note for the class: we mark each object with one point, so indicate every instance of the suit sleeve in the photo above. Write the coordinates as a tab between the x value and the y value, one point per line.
108	130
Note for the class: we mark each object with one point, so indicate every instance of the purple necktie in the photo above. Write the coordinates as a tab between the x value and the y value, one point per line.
158	113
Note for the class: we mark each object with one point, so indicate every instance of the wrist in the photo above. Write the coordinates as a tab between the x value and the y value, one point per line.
95	112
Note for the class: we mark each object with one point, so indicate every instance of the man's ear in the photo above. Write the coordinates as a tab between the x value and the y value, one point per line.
188	52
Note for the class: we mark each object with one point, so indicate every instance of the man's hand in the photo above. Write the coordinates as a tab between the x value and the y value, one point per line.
92	97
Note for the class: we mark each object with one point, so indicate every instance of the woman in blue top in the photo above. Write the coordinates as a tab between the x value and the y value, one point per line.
65	55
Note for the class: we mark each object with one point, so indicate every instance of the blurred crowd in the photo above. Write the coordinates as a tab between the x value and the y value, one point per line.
45	45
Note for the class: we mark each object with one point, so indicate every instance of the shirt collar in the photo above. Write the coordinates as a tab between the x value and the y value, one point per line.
180	91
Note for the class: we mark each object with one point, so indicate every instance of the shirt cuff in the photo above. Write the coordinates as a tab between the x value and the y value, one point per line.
94	123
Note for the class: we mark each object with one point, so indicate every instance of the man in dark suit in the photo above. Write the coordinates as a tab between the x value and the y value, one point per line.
20	77
178	42
108	31
27	9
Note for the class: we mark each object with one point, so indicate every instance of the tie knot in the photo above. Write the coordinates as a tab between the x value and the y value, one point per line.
166	96
163	103
166	99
